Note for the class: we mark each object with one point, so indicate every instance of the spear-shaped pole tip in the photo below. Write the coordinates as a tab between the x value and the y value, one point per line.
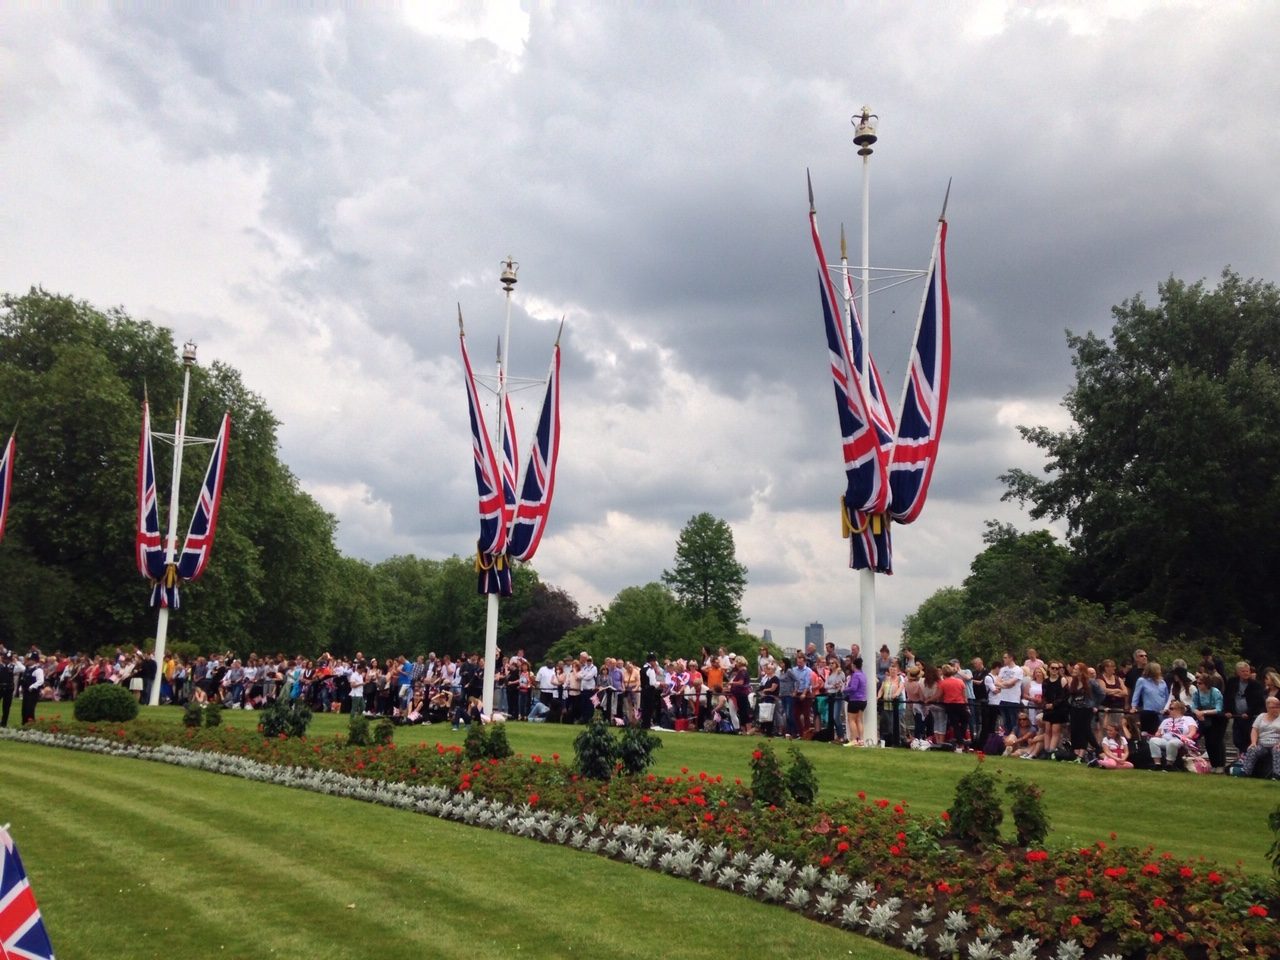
947	196
560	331
844	247
460	330
809	178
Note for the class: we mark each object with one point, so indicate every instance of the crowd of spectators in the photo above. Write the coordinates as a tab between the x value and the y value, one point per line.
1112	716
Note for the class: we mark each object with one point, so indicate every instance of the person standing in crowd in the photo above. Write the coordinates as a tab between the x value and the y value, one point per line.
546	683
588	681
1244	700
893	694
652	680
1083	695
1206	707
882	664
1131	678
984	717
1009	692
31	682
1031	664
1150	695
8	683
784	718
955	705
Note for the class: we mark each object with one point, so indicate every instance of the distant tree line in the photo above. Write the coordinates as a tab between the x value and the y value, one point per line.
1169	482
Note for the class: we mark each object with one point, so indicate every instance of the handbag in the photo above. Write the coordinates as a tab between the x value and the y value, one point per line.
766	712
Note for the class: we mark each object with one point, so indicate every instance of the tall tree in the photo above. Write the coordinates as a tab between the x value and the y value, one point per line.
707	577
1169	477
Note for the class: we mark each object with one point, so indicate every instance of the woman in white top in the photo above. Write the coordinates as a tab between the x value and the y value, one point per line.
1176	731
1264	739
1033	694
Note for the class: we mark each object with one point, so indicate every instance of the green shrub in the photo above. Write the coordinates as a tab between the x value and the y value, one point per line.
383	732
287	719
596	750
975	812
213	715
1273	854
193	715
636	749
767	784
498	747
802	780
1029	818
358	734
106	701
473	746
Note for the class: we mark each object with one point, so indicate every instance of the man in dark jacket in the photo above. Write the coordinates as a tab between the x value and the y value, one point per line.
8	682
1242	701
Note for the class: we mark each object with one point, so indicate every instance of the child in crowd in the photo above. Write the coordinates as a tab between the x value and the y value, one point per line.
1115	749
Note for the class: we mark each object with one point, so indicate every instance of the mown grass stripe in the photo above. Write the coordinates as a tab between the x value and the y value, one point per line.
444	890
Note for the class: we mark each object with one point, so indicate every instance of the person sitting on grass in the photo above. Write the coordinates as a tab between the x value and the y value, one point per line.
1176	731
1115	749
1264	739
1024	741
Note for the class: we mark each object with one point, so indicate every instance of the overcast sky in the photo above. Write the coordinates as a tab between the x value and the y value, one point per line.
307	194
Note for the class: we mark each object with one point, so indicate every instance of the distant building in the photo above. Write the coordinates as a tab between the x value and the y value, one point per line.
768	636
814	633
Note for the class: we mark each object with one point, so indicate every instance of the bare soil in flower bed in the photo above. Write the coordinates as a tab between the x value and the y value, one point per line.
1107	897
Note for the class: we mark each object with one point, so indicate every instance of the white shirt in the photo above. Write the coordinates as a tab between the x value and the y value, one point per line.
1013	692
356	679
546	679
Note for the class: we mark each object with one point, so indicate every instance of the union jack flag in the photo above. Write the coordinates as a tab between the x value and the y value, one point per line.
22	932
870	544
924	404
493	532
510	460
540	474
865	450
6	481
148	547
204	521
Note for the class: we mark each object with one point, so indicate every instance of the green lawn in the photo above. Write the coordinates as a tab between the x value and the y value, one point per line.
1221	818
131	859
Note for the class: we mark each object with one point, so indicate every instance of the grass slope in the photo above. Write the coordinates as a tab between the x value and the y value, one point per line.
132	859
1223	819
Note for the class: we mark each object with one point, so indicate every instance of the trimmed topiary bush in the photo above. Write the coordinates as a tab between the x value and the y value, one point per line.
106	701
1029	818
802	780
636	749
596	750
975	813
213	715
767	783
193	715
498	747
383	732
358	733
285	719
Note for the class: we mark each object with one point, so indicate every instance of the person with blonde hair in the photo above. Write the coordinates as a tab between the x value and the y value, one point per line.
1150	694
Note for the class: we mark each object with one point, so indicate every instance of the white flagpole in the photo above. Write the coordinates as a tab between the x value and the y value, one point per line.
179	439
865	137
508	280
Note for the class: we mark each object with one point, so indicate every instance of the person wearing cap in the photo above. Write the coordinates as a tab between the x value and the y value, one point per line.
31	681
9	670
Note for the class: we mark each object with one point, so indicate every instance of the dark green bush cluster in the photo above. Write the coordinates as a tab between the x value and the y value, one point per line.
1029	818
802	780
358	732
596	750
486	742
384	732
213	715
193	715
285	719
975	812
635	749
106	702
767	783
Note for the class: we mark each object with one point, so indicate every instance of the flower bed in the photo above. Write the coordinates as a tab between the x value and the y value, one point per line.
867	863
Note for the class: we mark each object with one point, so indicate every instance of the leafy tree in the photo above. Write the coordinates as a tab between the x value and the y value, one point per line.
638	620
1169	477
707	577
933	631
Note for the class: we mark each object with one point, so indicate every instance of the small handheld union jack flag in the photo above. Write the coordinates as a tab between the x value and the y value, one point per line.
22	932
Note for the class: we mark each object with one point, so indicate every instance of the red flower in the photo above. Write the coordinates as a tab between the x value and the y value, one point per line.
897	808
825	862
842	847
942	886
1214	877
709	817
757	755
896	850
981	756
1159	902
533	799
1115	873
882	804
1037	856
901	835
1075	921
1186	873
1150	870
555	756
946	815
862	794
843	831
1157	937
1257	911
1086	895
684	769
